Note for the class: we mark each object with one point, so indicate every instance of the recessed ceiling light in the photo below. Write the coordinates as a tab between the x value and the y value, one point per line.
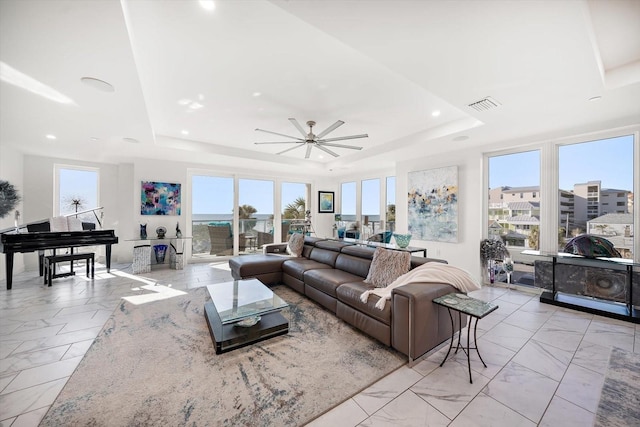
201	97
185	132
50	136
595	98
195	106
208	5
184	101
101	85
256	94
436	113
321	156
93	138
132	140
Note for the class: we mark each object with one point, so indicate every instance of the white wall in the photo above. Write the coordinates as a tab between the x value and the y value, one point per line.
11	170
464	253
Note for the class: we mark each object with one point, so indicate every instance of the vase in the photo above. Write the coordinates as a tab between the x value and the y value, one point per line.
492	271
143	231
160	251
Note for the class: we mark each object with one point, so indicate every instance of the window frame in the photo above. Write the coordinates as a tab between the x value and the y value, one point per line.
549	183
57	167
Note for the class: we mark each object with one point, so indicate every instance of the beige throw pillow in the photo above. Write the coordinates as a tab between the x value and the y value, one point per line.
387	265
295	245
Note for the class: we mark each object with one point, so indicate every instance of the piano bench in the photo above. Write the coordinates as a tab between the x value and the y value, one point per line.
51	260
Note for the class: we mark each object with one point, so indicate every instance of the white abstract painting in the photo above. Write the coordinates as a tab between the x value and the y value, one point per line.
433	204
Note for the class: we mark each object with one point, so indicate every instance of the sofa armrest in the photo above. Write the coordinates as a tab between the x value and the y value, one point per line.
418	324
275	248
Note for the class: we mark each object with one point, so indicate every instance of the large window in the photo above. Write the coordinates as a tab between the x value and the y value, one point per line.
255	213
294	207
212	215
370	198
514	209
391	204
595	182
77	191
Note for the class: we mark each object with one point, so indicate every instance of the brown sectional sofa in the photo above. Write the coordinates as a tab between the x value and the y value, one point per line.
332	274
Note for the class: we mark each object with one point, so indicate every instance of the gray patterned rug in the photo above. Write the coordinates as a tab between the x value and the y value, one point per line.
620	399
154	364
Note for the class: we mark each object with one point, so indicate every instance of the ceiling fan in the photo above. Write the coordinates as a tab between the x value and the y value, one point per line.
311	140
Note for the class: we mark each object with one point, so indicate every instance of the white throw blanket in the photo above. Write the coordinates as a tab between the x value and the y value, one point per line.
431	272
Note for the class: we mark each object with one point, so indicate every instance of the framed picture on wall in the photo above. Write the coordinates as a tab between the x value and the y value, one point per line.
160	198
326	202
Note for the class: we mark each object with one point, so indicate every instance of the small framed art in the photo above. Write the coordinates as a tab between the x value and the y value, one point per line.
326	202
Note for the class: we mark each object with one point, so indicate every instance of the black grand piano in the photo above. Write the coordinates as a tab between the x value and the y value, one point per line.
37	238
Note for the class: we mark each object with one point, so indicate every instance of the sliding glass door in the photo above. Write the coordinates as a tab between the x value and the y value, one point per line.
212	216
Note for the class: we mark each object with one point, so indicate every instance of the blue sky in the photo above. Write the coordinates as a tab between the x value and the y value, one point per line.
215	194
607	160
75	183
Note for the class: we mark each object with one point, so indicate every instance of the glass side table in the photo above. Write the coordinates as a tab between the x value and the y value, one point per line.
472	307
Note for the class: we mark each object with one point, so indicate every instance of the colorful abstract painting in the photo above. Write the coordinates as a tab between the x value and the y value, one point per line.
433	204
160	198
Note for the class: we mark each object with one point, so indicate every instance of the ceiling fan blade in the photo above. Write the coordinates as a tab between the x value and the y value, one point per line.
331	128
326	150
342	138
297	125
280	134
292	148
279	142
339	145
308	153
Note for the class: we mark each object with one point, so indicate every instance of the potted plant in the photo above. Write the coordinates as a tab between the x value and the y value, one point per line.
492	250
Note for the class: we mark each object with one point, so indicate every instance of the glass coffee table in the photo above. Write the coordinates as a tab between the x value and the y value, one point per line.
243	312
475	309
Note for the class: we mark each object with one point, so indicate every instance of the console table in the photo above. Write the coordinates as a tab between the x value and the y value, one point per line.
411	249
608	287
142	253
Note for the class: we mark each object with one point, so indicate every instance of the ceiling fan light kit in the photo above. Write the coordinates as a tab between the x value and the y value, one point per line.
310	140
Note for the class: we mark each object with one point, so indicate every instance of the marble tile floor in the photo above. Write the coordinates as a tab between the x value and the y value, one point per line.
545	364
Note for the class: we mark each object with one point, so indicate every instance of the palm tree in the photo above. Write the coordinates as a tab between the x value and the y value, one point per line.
295	209
246	211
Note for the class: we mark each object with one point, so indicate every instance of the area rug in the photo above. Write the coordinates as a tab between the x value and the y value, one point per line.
620	399
154	364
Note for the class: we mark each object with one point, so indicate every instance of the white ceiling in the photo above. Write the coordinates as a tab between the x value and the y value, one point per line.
382	67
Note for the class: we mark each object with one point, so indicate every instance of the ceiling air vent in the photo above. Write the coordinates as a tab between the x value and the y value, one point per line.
485	104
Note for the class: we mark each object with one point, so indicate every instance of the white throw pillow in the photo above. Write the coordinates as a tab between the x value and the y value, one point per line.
295	245
387	265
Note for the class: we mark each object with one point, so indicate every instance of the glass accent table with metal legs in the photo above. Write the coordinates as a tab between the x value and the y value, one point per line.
476	309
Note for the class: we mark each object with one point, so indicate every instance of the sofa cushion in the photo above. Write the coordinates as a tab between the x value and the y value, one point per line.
327	280
332	245
253	265
387	266
295	267
295	245
349	294
353	264
324	256
359	251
